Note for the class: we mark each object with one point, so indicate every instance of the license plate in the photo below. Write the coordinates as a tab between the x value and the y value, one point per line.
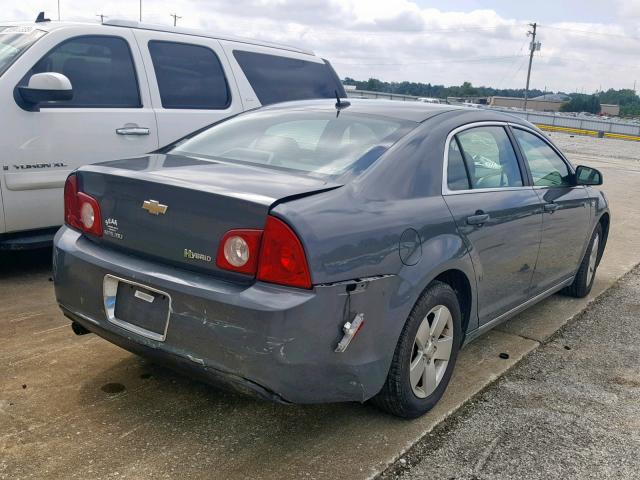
135	307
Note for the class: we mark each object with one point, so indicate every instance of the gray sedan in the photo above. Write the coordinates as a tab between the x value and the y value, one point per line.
322	252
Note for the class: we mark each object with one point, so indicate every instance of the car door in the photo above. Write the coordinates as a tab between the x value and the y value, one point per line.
190	82
109	116
497	213
566	210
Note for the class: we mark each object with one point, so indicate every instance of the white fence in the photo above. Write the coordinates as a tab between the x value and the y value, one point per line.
541	118
606	126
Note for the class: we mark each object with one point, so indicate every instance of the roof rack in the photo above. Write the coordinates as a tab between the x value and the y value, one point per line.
201	33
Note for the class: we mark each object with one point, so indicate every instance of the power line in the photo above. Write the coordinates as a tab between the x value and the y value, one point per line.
591	32
434	61
427	31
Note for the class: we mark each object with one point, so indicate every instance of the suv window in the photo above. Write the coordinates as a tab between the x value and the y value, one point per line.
100	69
548	169
189	76
280	79
489	157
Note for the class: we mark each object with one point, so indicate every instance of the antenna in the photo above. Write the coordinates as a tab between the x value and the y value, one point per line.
102	17
340	104
41	19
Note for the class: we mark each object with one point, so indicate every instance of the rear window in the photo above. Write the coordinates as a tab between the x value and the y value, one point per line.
189	76
316	142
281	79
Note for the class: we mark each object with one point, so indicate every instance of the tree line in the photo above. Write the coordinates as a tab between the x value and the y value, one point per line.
628	100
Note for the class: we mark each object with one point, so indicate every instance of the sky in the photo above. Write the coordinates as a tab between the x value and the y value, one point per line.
587	45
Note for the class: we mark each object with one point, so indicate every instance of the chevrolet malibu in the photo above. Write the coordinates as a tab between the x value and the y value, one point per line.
320	252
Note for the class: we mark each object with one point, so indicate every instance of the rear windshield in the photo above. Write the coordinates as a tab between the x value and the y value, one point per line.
281	79
307	141
14	41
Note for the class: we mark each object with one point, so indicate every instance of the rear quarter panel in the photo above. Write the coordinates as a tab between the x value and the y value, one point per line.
356	232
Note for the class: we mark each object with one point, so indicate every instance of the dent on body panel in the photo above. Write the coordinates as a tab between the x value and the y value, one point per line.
343	237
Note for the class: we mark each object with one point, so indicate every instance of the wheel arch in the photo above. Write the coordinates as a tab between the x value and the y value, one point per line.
461	285
604	221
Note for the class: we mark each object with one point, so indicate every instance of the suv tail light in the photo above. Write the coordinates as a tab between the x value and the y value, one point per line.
273	255
81	211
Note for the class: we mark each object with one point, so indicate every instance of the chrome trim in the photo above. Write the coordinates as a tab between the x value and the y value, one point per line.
445	164
137	131
514	311
495	123
109	292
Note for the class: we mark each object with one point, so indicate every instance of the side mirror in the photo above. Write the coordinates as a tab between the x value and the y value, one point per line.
44	87
588	176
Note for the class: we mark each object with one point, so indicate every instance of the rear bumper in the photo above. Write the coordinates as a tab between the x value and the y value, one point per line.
274	341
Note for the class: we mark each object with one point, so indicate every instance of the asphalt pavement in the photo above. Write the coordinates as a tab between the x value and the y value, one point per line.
571	409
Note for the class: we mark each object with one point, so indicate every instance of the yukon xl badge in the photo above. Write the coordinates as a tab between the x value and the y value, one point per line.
154	207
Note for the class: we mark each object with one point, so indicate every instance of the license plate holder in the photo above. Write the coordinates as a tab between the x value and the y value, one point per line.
136	307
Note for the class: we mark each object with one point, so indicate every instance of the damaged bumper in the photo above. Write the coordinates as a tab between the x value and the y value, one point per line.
276	342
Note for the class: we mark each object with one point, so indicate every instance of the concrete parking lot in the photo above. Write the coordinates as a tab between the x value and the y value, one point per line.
79	407
569	410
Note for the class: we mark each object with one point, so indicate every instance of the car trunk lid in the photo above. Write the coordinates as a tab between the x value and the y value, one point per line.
175	209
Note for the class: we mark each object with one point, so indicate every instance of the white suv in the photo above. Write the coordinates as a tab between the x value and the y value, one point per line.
73	93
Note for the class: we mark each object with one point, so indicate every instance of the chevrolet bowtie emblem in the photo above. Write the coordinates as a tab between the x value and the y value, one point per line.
154	207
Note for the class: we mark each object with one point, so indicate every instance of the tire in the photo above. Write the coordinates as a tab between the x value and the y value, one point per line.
399	395
583	281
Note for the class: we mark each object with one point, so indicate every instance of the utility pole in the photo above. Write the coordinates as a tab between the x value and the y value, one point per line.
175	18
141	10
102	17
532	48
58	10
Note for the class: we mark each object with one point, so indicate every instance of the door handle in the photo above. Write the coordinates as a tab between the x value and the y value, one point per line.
132	131
478	219
550	207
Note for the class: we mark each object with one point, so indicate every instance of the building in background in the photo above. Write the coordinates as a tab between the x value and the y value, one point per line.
608	109
540	104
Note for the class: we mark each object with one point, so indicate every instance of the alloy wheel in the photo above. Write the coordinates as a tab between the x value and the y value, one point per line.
431	351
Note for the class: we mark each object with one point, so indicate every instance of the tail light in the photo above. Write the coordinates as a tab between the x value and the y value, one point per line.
274	255
81	211
239	250
282	258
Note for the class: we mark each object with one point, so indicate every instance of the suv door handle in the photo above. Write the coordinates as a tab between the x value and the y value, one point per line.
132	131
550	207
478	219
